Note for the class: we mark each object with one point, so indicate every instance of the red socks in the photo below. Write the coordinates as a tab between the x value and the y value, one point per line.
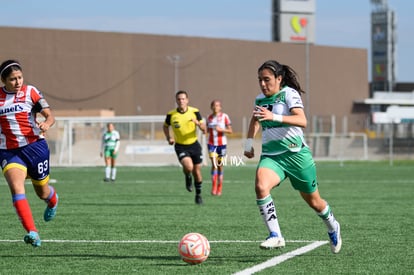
24	212
51	199
214	178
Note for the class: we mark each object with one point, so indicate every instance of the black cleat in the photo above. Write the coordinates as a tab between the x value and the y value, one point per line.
198	199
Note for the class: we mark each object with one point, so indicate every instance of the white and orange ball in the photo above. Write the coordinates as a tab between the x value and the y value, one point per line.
194	248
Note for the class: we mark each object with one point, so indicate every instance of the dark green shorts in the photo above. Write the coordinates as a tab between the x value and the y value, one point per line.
298	167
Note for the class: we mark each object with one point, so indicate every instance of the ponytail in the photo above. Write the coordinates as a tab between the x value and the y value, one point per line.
290	79
289	76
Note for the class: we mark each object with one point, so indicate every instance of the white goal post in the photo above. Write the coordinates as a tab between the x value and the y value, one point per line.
76	141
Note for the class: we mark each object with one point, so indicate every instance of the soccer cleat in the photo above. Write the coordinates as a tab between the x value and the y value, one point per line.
32	238
273	241
189	183
335	239
106	180
198	199
50	213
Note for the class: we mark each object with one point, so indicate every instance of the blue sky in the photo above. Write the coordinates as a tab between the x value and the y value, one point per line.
338	23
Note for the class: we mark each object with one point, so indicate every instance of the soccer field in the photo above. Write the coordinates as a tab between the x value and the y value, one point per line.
134	225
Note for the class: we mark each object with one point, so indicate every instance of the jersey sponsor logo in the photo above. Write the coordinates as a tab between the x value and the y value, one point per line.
267	106
212	125
13	109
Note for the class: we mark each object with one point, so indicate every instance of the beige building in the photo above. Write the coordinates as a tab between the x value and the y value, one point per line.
138	74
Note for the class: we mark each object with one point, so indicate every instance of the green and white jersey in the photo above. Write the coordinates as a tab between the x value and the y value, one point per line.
277	137
110	141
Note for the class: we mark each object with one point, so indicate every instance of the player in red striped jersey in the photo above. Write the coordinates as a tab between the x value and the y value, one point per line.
218	125
24	152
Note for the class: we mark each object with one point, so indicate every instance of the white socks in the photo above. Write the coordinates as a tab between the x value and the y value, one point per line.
113	173
107	172
328	218
268	213
110	172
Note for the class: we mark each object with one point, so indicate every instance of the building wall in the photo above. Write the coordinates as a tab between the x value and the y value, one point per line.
131	74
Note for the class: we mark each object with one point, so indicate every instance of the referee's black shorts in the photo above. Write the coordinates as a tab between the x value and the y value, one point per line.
192	150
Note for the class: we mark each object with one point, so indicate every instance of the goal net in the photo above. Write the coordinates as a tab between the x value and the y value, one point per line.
76	141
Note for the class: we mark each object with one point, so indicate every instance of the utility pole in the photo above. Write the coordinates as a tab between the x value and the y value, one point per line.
175	60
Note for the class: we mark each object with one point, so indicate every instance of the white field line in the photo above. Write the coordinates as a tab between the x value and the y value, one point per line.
279	259
269	263
147	241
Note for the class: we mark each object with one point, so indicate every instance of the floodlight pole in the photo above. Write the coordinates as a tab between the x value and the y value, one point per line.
175	60
307	69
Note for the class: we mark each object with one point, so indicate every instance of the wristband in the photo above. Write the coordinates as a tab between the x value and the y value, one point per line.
248	145
277	118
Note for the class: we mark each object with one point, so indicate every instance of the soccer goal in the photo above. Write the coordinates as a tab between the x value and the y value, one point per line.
76	141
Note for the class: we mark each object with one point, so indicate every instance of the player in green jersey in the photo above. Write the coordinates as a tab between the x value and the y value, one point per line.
279	112
109	150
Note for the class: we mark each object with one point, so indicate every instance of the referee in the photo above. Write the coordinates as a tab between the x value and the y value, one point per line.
184	121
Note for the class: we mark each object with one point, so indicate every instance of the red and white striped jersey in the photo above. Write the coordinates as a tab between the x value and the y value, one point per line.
222	120
17	118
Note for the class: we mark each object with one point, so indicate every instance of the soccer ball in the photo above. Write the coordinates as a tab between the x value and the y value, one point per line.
194	248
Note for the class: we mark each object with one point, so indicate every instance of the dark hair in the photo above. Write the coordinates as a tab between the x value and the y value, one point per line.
180	92
213	102
289	76
8	66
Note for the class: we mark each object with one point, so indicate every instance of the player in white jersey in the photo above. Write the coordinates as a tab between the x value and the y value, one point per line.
279	112
23	150
109	150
